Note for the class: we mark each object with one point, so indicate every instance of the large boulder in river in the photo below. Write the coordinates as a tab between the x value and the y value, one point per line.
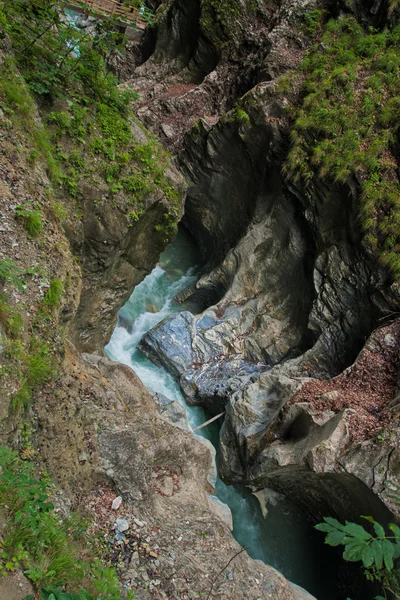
283	429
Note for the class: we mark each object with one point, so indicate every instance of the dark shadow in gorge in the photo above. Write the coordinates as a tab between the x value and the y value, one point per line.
339	495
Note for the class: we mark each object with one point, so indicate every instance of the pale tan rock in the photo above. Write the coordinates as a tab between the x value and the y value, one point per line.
15	587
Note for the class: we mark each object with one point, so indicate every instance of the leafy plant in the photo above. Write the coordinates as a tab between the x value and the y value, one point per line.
10	273
45	546
31	219
88	131
377	551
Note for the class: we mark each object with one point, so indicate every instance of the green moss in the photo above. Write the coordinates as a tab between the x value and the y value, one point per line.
31	219
52	297
241	116
347	123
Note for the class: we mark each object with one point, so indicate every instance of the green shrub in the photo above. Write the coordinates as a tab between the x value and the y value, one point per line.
377	551
347	122
31	219
36	540
313	21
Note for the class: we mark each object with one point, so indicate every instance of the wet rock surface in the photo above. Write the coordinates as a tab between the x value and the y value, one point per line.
166	538
290	291
116	256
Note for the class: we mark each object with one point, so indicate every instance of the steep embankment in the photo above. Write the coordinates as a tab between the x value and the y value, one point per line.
292	198
74	243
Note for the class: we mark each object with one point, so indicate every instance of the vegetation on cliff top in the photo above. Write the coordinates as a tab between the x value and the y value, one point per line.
348	121
87	137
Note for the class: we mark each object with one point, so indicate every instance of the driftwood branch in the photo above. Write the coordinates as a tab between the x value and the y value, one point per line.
208	422
224	567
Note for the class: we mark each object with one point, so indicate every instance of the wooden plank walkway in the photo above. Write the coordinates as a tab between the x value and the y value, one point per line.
110	9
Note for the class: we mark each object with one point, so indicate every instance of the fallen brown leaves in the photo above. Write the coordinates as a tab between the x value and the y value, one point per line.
366	388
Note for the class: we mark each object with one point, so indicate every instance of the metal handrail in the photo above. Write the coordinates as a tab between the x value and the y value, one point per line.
110	8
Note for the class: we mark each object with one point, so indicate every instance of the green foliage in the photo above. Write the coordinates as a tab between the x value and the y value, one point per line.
58	594
313	21
22	400
17	103
31	219
347	123
10	273
377	551
11	319
90	121
45	546
59	210
283	84
37	365
40	364
52	297
241	116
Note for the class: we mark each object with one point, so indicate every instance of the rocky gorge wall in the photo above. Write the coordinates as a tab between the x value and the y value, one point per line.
89	421
291	296
290	289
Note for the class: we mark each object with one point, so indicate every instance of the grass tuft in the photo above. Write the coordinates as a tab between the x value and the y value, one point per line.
52	297
347	121
47	548
31	220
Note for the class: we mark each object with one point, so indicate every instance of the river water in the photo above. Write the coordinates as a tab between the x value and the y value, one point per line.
284	539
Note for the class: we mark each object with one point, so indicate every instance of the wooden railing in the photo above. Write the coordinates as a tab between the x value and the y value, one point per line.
111	9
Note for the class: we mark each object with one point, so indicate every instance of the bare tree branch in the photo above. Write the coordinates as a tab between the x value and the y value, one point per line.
224	567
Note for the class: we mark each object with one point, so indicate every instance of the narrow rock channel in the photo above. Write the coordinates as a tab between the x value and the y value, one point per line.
284	539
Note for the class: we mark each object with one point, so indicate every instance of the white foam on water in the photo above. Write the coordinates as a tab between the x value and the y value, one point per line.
276	540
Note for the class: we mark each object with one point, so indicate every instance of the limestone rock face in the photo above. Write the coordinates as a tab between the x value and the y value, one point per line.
116	255
289	288
156	466
286	432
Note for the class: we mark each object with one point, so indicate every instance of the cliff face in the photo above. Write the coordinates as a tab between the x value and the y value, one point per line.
64	275
291	289
115	254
